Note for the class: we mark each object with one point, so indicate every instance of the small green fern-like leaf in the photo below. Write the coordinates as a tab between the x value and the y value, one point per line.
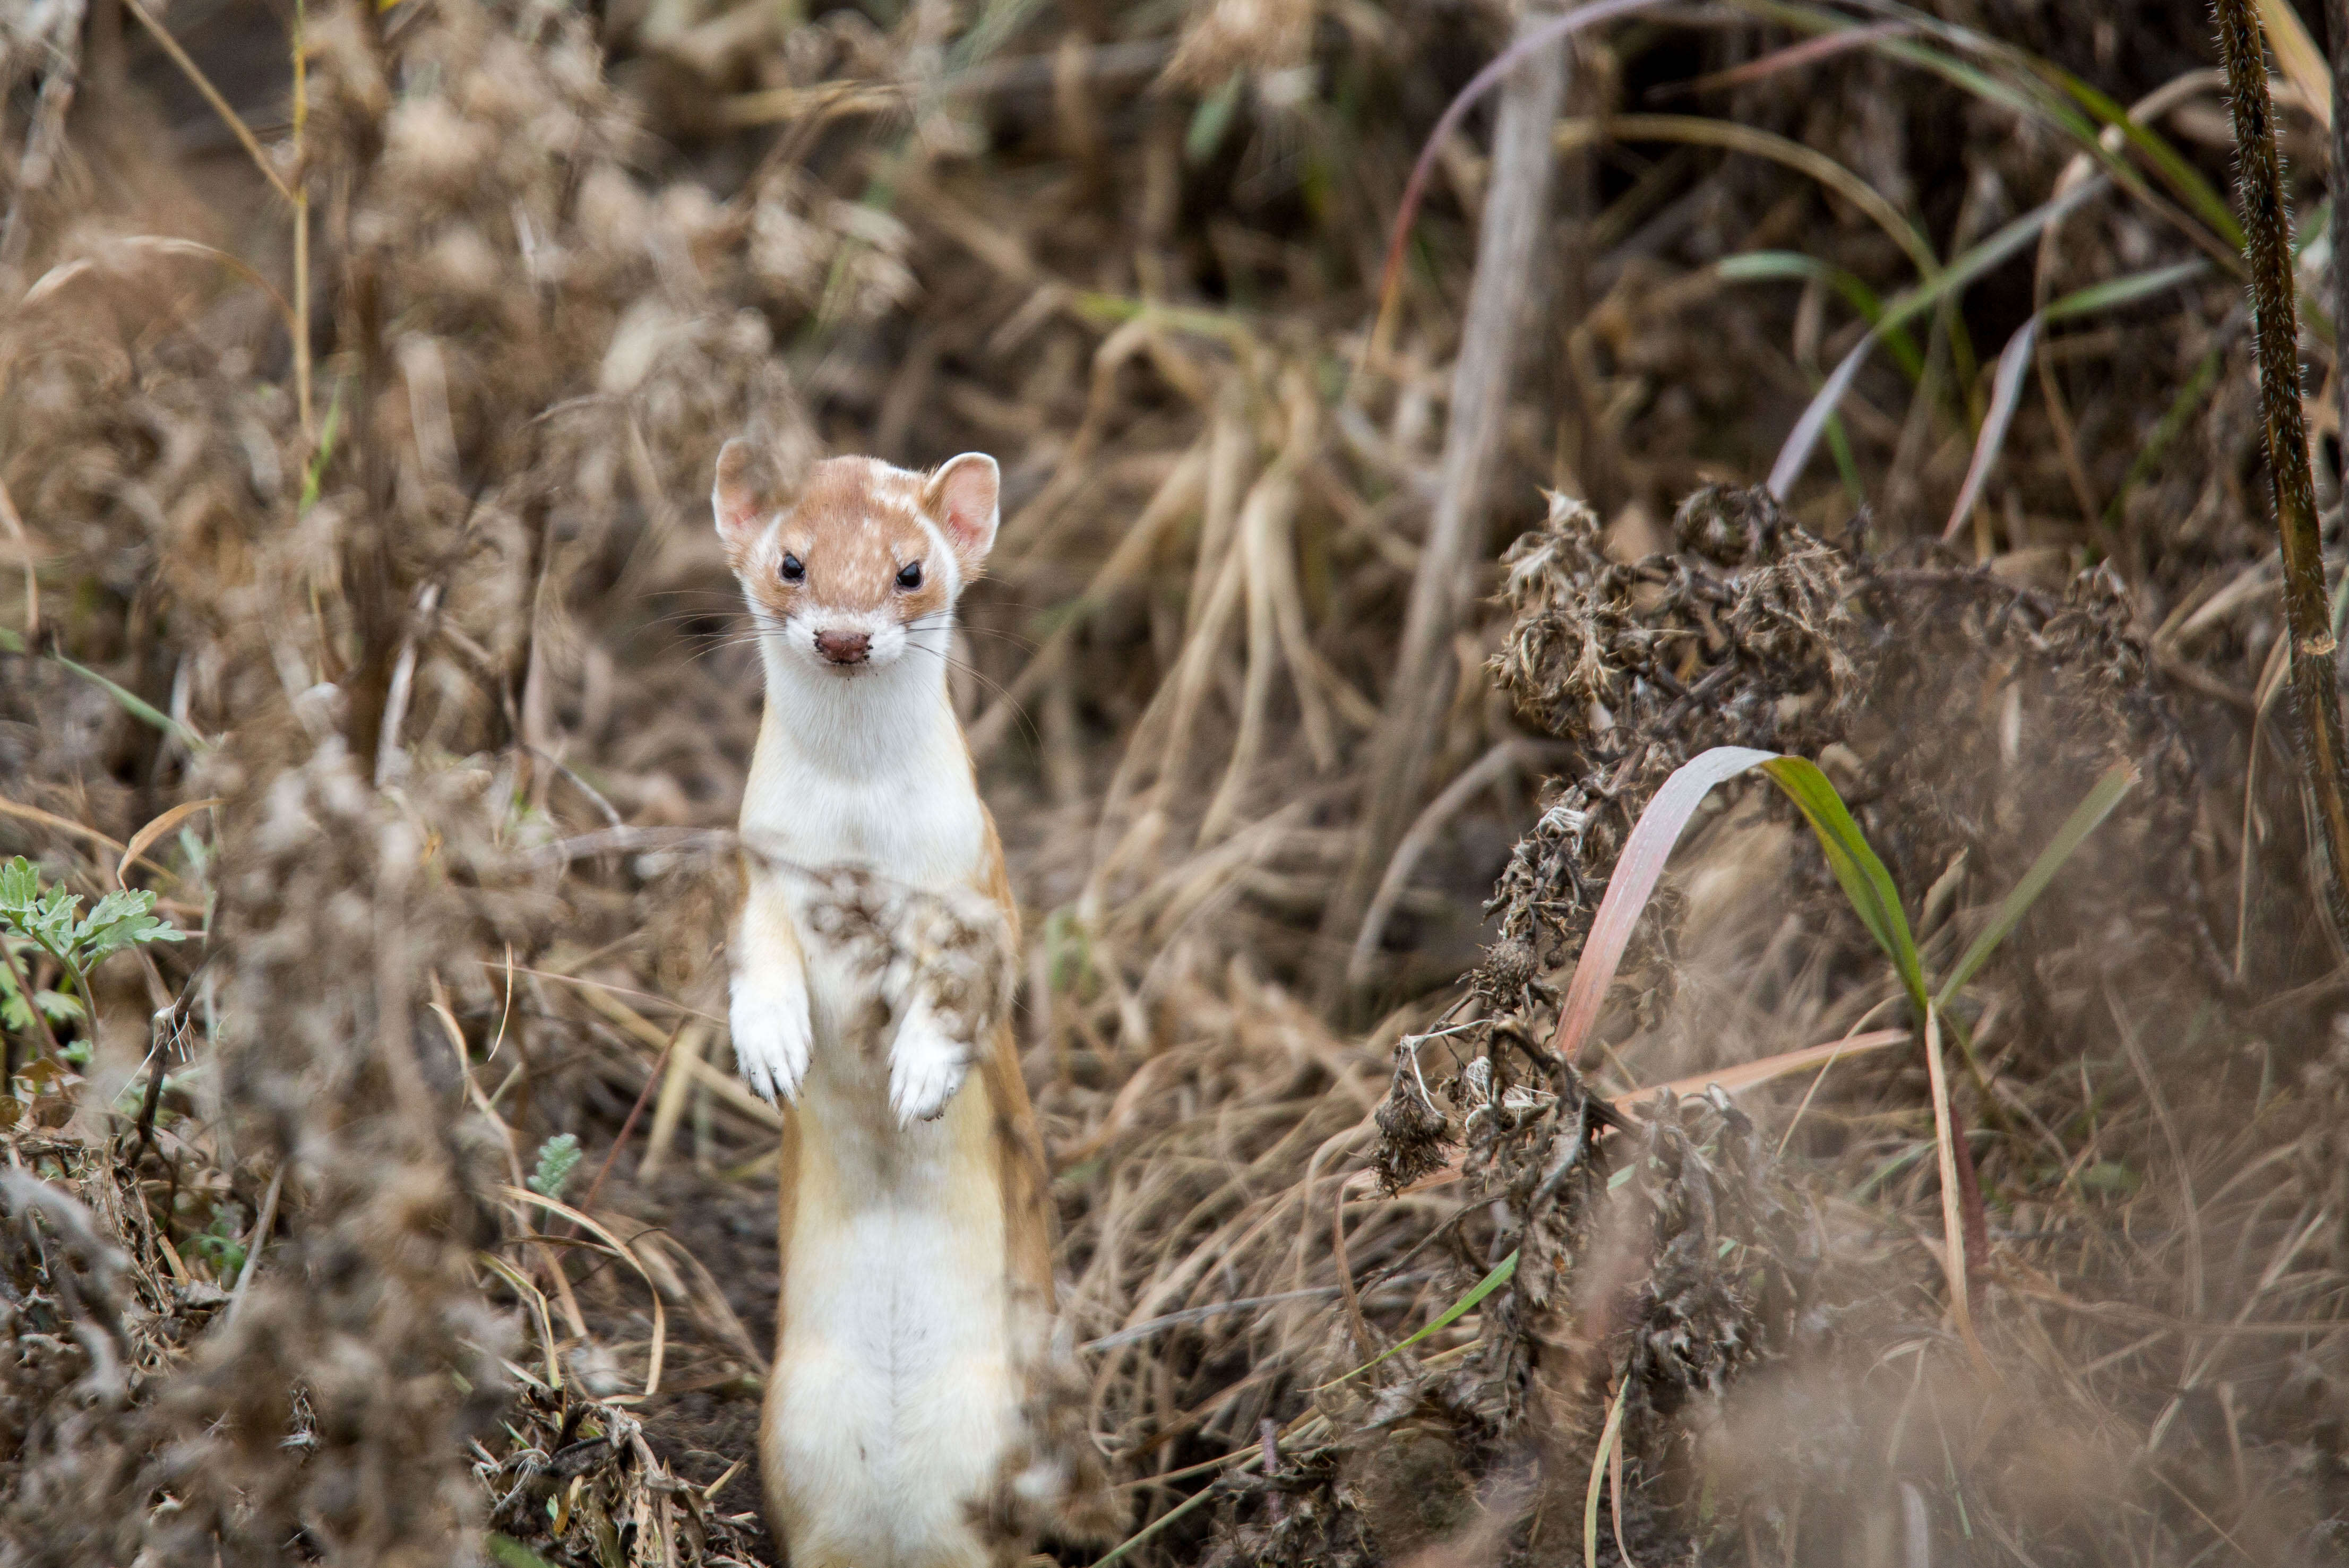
557	1158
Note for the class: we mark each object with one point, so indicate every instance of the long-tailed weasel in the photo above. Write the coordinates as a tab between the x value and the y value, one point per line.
916	1227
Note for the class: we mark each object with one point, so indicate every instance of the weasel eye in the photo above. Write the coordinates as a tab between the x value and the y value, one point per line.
792	570
910	575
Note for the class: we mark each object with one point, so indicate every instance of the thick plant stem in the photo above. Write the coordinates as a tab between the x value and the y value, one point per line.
1508	256
2336	39
2267	228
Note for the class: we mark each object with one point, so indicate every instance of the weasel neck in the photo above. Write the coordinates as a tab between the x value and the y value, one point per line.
868	768
872	721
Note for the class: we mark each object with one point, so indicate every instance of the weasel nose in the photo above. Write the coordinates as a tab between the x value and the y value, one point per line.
843	647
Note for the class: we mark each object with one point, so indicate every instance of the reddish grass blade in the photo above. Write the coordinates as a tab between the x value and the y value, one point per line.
1794	56
1748	1075
1953	1218
1634	880
1483	82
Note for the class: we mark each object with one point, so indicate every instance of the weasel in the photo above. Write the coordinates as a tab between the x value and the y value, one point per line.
915	1219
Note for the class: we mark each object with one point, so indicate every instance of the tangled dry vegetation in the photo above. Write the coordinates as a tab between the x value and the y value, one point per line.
355	408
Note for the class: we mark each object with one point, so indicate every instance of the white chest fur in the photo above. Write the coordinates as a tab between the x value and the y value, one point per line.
893	1391
867	771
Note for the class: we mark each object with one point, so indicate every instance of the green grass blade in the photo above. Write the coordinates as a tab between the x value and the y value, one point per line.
2114	293
1792	266
138	707
1861	875
1502	1273
2025	84
315	472
2034	75
2182	176
1982	257
2085	818
1118	1551
2007	389
2173	423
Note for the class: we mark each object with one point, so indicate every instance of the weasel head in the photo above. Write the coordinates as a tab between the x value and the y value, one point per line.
858	562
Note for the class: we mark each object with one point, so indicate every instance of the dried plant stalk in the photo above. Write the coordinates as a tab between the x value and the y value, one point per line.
1508	251
2267	225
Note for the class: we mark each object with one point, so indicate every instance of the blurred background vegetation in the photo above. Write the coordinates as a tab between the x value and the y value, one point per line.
1393	500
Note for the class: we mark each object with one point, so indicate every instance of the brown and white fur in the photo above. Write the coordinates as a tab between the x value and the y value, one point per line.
915	1227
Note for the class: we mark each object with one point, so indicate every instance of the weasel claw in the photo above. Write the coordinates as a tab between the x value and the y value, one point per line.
925	1069
771	1040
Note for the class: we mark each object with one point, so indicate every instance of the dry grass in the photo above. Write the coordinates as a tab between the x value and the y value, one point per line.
423	600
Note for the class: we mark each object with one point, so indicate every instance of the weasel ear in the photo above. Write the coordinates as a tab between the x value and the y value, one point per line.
962	495
739	502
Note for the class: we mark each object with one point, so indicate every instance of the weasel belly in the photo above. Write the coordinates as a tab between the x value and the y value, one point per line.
894	1393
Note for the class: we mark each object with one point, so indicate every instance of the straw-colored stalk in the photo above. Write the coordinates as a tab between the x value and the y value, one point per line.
2267	225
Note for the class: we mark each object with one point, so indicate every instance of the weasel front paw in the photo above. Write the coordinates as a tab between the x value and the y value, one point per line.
925	1068
771	1037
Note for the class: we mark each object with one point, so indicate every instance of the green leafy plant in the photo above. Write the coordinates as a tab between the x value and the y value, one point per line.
558	1157
51	921
220	1244
512	1554
16	1011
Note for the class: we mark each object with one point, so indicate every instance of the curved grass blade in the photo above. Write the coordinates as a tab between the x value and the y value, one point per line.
2037	87
1865	881
2040	91
1794	57
145	837
2005	396
1407	210
2296	53
2084	819
1607	1437
620	1250
1702	132
2006	386
138	707
1631	882
1792	266
1978	260
1503	1272
1860	873
2201	197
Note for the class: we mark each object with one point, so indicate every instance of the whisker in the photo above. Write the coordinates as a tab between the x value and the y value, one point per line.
723	645
1019	710
943	618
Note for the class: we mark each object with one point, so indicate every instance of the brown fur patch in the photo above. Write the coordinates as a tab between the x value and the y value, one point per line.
787	1170
1027	1214
855	523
